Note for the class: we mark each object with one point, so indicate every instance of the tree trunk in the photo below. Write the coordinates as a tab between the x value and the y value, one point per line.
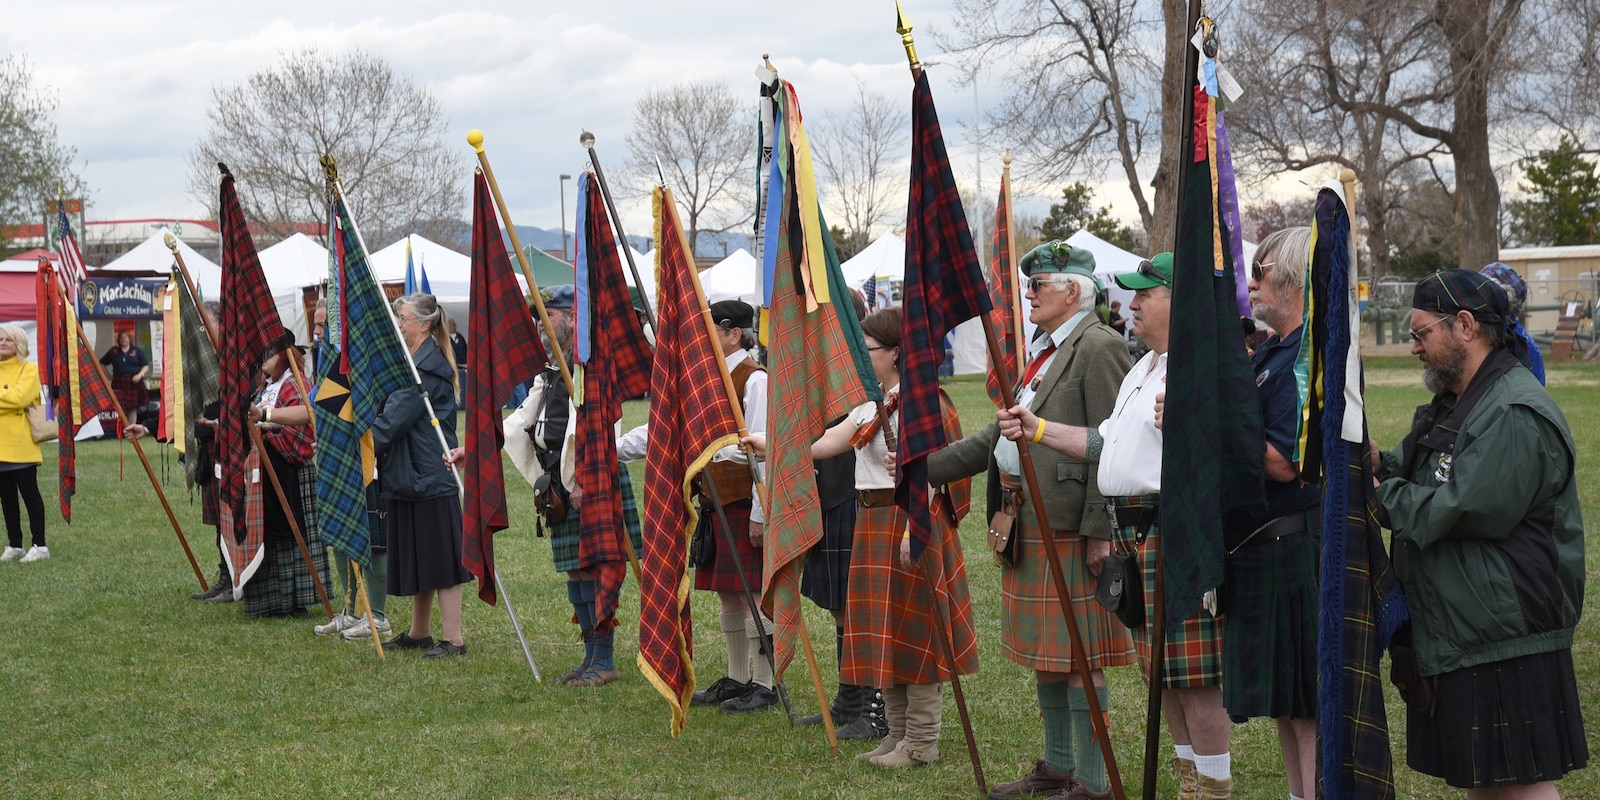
1473	52
1371	204
1173	96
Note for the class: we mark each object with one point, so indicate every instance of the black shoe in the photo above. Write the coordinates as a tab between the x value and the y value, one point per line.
725	688
445	648
224	596
405	642
755	698
216	588
845	709
872	724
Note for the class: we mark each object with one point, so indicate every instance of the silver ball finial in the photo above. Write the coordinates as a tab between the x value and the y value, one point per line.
586	139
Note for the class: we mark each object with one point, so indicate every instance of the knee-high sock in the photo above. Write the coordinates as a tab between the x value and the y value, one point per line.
760	666
1091	764
738	645
378	584
1055	706
598	650
584	611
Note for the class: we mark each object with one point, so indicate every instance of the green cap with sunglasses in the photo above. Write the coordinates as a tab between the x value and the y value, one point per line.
1150	274
1058	257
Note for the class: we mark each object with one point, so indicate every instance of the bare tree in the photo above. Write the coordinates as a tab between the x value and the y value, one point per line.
701	134
857	151
34	165
386	132
1086	94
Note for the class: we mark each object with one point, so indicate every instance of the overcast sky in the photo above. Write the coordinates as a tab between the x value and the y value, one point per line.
134	79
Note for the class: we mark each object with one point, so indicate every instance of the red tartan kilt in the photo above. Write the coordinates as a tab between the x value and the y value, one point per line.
130	393
1194	648
721	575
890	631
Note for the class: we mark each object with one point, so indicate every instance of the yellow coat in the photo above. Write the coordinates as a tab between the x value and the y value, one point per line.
19	388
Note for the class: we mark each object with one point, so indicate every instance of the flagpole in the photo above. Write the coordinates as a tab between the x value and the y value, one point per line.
586	140
1011	269
931	568
1046	533
736	405
255	439
336	188
100	372
475	138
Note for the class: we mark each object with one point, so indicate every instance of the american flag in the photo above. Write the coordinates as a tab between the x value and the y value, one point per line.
72	266
870	290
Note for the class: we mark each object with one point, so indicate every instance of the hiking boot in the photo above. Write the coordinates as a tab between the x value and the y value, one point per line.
341	622
361	630
1213	788
405	642
35	553
1042	781
755	698
716	694
1188	783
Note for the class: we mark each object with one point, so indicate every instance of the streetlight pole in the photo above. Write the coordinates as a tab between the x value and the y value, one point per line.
563	189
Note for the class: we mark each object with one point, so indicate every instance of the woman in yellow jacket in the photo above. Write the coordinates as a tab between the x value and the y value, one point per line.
19	456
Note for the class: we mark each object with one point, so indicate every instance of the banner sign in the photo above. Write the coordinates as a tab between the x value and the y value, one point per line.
127	298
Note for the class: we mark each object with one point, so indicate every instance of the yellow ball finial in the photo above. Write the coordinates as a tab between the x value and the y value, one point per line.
475	138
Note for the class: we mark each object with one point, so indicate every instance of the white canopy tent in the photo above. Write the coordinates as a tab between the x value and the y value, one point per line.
732	278
449	272
290	266
152	256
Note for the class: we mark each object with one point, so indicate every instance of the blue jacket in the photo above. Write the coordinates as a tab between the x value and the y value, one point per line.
411	459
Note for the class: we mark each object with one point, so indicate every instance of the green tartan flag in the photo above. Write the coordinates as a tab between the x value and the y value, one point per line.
367	364
201	372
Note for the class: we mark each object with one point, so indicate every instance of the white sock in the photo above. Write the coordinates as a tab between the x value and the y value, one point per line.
760	668
1184	752
1296	797
1215	767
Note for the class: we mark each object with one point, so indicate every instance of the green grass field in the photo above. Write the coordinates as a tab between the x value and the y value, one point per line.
116	685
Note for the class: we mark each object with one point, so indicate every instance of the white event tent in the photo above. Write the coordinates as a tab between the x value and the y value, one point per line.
291	266
151	257
732	278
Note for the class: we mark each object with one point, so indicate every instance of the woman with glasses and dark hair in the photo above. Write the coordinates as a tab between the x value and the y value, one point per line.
422	497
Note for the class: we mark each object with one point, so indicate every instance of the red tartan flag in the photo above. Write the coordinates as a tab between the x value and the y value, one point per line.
618	369
691	418
503	350
1003	292
250	328
943	288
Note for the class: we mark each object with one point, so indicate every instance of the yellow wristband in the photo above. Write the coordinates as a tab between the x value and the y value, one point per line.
268	415
906	535
1038	435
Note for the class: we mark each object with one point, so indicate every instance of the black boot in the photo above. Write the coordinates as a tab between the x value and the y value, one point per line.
872	724
846	707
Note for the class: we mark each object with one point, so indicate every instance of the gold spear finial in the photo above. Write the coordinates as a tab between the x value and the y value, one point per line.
903	27
171	241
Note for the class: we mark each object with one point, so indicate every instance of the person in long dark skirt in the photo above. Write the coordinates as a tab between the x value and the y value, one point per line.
422	497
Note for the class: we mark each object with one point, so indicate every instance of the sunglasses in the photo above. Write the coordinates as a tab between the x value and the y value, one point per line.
1035	284
1149	270
1259	271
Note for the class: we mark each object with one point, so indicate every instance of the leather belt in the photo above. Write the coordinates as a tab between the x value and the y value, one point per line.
1278	528
874	498
1139	518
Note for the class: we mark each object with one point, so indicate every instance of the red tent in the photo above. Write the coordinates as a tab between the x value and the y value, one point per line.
16	285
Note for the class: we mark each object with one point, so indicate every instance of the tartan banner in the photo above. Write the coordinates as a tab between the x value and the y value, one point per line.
1361	602
1003	293
370	364
201	373
691	418
819	369
249	329
53	372
943	288
504	351
1212	434
618	369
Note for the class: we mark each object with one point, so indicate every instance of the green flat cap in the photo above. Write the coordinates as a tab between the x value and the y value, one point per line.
1150	274
1058	256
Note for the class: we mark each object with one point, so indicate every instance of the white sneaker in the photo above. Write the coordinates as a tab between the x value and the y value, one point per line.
340	622
11	554
360	631
35	553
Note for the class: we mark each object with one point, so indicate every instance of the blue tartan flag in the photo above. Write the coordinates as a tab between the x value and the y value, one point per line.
369	364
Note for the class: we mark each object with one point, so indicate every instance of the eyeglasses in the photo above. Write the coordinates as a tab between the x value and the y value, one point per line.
876	349
1416	335
1259	271
1149	270
405	318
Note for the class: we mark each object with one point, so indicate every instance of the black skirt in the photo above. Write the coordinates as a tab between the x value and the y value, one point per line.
1505	723
425	545
826	580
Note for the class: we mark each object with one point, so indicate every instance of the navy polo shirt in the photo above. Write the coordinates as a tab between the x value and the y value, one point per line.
1275	387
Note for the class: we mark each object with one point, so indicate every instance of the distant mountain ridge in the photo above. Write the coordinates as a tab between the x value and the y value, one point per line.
711	244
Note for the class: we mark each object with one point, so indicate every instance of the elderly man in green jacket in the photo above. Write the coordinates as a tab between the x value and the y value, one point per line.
1488	545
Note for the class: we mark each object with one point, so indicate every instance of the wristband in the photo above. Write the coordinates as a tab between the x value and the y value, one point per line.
1038	435
268	414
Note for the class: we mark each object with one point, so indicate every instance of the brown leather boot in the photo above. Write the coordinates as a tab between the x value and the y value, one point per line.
1041	781
894	710
1187	788
1213	788
923	720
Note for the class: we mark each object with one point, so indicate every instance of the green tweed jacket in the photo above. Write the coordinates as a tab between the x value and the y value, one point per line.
1079	388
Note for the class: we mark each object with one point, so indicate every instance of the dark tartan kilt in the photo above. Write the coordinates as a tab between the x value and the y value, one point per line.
721	575
890	631
1033	632
1505	723
211	502
826	580
283	584
1193	649
130	394
564	537
1269	642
